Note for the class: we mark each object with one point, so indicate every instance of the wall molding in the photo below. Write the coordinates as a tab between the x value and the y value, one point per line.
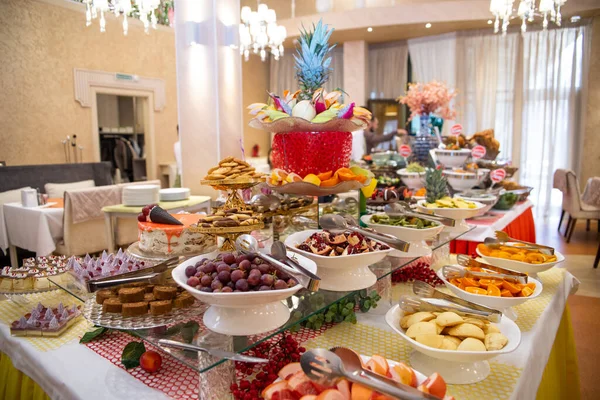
86	79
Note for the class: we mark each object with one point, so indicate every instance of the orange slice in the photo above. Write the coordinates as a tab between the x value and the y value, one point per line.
486	282
506	293
511	287
325	175
476	290
345	174
531	286
330	182
455	281
526	292
493	290
470	282
379	365
312	178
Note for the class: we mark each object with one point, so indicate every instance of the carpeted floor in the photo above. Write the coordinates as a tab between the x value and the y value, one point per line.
586	328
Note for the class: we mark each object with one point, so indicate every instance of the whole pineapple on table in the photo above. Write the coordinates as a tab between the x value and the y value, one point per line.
436	185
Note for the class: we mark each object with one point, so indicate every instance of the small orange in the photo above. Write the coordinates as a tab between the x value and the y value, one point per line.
325	175
511	287
506	293
476	290
330	182
493	290
470	282
526	292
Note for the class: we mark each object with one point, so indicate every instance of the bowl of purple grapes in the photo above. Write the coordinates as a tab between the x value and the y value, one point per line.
244	292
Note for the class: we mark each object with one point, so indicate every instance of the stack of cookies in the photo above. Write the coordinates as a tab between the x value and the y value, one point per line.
143	298
231	168
228	218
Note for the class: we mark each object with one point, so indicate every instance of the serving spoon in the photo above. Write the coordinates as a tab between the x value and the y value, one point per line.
400	208
279	252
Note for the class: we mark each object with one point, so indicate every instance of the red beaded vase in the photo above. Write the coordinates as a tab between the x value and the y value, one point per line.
311	152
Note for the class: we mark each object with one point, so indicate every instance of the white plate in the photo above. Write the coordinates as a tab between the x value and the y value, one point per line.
520	266
458	214
452	158
340	273
457	367
242	313
414	180
503	304
174	194
416	237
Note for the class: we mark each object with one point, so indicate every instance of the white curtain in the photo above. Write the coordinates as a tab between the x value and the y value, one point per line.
387	70
283	74
554	63
485	80
434	58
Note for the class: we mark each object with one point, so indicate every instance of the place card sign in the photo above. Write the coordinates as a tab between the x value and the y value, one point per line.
456	130
405	151
497	175
478	152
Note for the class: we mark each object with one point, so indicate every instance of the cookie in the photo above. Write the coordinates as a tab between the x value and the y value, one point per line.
229	164
102	295
134	309
215	177
226	160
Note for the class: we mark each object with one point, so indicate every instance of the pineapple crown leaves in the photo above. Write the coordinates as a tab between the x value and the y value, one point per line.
435	184
312	64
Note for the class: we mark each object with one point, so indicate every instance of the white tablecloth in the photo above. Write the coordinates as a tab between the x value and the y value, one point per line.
482	231
36	229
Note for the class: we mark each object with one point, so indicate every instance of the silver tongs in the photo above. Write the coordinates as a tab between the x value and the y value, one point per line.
247	244
338	222
502	273
427	292
401	209
213	352
503	238
158	272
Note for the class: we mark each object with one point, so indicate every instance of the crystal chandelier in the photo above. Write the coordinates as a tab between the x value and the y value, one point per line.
145	9
259	31
503	10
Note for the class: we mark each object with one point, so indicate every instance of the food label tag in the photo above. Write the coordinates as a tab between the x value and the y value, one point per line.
497	175
478	152
405	150
456	130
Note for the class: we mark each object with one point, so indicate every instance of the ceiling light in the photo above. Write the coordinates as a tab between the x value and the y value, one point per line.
526	11
259	32
490	22
369	29
575	18
428	25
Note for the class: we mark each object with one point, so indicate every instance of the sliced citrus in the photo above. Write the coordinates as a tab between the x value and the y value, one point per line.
511	287
526	292
493	290
293	177
462	286
486	282
312	178
325	175
360	392
531	286
345	174
331	394
474	269
334	180
476	290
506	293
455	281
470	282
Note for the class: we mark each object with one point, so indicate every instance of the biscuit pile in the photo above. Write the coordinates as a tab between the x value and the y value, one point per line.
231	168
228	219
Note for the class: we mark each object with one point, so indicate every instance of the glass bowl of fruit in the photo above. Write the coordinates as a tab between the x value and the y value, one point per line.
413	176
244	292
343	257
410	229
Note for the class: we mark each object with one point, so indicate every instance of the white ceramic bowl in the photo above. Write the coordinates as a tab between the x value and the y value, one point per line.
503	304
452	158
489	201
413	180
242	313
340	273
416	237
521	266
457	367
458	214
460	181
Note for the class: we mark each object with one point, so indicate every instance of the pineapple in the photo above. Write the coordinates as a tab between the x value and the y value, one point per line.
312	63
435	184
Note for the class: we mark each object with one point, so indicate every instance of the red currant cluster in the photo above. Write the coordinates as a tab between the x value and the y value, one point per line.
279	354
418	272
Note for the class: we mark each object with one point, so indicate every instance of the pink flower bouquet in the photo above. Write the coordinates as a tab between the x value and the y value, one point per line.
429	98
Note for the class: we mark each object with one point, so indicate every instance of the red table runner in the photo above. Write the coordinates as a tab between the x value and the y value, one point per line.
522	228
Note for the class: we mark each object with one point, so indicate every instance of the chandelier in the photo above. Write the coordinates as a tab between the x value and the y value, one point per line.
503	12
145	9
259	31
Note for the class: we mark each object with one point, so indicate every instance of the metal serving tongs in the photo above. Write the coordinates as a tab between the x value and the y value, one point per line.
247	244
504	238
427	292
401	208
338	222
503	273
158	272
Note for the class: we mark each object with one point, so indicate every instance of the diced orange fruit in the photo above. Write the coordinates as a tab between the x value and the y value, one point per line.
511	287
506	293
526	292
475	290
312	178
492	290
325	175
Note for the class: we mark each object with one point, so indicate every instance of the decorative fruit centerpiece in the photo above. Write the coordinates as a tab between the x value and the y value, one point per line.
436	185
312	128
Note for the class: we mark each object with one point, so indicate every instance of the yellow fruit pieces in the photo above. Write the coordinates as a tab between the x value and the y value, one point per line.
513	253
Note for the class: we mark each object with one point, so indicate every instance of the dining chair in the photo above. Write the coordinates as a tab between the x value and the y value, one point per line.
573	205
560	183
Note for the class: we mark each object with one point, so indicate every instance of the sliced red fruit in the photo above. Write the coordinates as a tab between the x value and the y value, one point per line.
435	385
300	385
379	365
284	395
309	397
344	387
273	388
360	392
289	370
331	394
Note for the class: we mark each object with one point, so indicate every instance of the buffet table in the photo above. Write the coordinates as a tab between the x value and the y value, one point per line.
544	365
517	222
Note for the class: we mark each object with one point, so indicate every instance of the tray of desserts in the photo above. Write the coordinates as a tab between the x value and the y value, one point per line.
231	220
232	173
46	321
140	306
40	267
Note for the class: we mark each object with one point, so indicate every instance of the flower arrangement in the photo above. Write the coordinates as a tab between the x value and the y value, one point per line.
429	98
311	103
